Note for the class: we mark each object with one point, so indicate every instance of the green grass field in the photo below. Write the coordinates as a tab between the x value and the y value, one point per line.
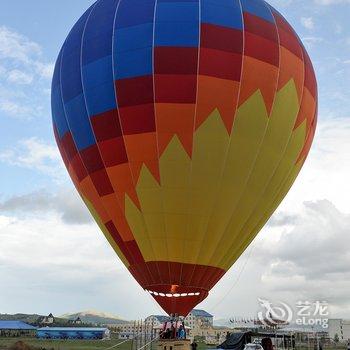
38	344
6	343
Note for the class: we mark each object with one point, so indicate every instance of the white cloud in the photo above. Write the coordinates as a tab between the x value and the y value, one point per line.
45	70
326	171
37	155
16	109
19	48
16	102
18	77
307	22
331	2
311	259
16	46
42	259
338	28
3	72
322	229
310	41
24	75
280	3
301	258
66	203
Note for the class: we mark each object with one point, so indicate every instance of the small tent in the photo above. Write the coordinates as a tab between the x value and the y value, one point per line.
236	341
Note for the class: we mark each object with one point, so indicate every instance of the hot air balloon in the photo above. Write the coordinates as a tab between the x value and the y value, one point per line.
183	124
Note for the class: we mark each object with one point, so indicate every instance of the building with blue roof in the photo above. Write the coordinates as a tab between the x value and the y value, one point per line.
198	318
201	313
16	328
73	333
156	319
193	319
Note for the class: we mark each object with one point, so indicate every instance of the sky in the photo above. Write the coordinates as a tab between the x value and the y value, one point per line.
53	257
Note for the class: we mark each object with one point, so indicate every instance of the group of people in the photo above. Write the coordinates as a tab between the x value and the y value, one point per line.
173	330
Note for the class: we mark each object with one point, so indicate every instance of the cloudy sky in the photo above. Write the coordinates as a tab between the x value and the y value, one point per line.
52	255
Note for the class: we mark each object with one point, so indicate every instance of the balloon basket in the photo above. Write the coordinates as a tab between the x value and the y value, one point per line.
173	344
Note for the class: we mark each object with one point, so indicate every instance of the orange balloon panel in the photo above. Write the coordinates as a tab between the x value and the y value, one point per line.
183	124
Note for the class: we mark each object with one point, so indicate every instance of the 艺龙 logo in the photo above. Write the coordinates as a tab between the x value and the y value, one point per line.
308	313
274	315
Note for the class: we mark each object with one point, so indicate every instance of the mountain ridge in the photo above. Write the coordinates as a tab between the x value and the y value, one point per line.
87	317
94	316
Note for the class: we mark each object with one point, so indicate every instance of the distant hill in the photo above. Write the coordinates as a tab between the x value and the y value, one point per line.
87	317
33	319
95	317
27	318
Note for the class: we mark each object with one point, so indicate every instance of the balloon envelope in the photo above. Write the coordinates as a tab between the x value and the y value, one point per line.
182	124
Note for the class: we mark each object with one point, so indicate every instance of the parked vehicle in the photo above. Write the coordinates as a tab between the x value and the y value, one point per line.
253	346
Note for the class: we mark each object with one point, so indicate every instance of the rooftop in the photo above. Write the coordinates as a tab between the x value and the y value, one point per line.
15	325
76	329
200	313
161	318
194	312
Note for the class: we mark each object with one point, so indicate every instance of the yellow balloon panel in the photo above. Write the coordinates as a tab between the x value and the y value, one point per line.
206	209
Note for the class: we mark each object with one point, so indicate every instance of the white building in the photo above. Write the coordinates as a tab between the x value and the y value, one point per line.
195	319
340	327
156	320
199	319
50	319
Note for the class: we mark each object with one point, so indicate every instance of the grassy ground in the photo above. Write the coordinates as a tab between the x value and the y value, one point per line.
6	343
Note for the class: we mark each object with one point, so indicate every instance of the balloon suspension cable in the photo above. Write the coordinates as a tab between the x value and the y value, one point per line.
234	284
150	342
150	297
